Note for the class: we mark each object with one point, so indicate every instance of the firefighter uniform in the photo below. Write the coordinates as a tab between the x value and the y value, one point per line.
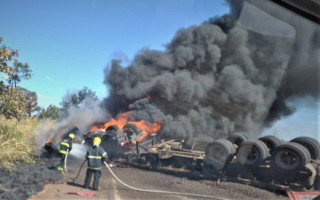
65	145
95	156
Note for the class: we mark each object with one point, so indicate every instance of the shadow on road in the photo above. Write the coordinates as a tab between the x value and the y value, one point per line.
74	184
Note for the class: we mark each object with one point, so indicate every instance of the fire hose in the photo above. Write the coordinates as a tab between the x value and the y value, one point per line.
151	191
65	161
79	170
161	191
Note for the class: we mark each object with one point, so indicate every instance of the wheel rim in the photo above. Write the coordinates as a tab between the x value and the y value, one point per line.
287	159
252	155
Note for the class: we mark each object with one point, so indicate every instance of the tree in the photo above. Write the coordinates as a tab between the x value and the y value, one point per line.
19	71
14	101
31	100
78	98
52	112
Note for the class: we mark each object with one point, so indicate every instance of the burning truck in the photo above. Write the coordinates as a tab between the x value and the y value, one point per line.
120	135
208	96
266	162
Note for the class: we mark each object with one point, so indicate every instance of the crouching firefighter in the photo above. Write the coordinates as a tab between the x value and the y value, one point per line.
95	156
65	147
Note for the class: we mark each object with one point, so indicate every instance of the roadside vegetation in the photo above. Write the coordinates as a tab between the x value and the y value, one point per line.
23	123
17	141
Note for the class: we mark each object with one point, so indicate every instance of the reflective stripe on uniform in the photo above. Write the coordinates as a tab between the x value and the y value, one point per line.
63	151
95	168
95	157
104	154
65	144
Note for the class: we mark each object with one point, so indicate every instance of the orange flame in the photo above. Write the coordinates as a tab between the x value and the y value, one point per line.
147	128
123	120
98	126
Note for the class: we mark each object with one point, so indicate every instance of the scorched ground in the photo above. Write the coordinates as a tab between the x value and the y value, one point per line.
145	179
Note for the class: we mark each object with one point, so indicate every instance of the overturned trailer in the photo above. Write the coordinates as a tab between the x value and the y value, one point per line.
266	162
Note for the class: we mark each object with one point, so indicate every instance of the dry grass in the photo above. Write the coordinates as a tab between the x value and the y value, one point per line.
17	143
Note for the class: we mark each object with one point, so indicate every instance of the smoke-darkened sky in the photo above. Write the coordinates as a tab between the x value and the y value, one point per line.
239	72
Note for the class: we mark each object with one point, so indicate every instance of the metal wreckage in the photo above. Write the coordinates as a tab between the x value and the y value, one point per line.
265	162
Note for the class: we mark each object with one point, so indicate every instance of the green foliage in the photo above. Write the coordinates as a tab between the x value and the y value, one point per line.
17	70
12	103
83	96
15	102
52	112
31	100
6	55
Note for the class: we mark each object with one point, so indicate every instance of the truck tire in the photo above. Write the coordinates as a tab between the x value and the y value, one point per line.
237	138
218	152
52	149
311	144
131	130
109	142
252	153
290	157
271	141
112	128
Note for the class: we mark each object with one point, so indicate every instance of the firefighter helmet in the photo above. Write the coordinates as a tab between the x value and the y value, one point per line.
96	141
72	136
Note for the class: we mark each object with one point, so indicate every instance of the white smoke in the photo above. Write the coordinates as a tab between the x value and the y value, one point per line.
81	117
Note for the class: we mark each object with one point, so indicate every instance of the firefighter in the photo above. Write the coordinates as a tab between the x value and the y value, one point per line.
95	156
65	145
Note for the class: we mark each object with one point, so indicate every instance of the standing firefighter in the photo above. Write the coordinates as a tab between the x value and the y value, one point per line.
65	147
95	156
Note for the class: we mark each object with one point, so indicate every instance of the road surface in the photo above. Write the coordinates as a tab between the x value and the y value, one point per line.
150	180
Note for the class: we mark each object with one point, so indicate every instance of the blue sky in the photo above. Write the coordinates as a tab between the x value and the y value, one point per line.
68	44
303	122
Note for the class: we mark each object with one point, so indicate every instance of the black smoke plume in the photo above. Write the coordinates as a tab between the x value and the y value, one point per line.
231	73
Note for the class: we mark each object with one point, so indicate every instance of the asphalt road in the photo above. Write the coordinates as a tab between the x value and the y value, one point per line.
147	180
